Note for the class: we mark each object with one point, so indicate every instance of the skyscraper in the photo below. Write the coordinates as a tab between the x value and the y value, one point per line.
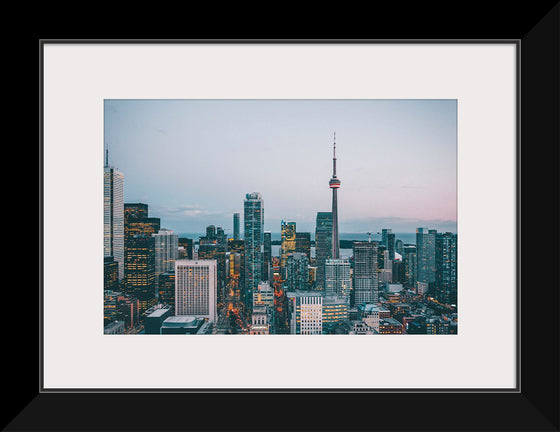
426	256
337	278
365	272
139	270
267	255
446	268
334	184
323	248
303	243
297	272
196	288
288	245
113	215
253	238
384	236
236	226
166	244
391	245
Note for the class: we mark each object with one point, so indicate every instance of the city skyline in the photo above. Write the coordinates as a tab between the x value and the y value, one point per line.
283	146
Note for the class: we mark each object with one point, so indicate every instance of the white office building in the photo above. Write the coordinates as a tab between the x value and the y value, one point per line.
113	216
196	288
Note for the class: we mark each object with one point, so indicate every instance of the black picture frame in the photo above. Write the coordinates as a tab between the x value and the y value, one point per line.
534	406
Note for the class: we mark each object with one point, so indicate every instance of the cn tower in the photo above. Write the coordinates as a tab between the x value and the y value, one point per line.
334	184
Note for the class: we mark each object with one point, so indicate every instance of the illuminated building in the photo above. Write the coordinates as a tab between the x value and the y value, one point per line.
263	295
120	307
323	246
335	312
113	215
297	272
188	246
365	272
337	278
288	245
305	311
110	274
166	288
312	277
139	270
135	211
253	238
390	326
446	268
214	247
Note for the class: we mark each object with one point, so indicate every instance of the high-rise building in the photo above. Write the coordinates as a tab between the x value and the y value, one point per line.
166	244
337	278
335	312
409	259
166	288
398	271
305	311
426	256
253	238
236	226
303	243
391	245
135	211
288	245
323	246
267	256
211	232
188	246
446	268
113	215
365	272
297	272
196	288
139	270
334	184
384	236
110	274
214	247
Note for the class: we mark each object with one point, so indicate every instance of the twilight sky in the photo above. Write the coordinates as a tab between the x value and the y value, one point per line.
193	161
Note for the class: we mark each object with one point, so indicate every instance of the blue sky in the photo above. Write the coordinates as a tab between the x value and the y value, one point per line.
193	161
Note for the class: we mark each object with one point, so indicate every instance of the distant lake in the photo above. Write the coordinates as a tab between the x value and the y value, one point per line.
407	238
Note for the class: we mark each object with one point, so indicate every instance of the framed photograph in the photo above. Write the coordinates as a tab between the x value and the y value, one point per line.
192	132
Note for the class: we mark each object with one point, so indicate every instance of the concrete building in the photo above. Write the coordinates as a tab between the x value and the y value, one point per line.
196	288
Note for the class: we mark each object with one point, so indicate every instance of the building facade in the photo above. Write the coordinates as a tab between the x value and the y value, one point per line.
196	288
113	216
365	272
323	246
253	238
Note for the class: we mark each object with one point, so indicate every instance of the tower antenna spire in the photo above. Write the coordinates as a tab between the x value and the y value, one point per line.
106	155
